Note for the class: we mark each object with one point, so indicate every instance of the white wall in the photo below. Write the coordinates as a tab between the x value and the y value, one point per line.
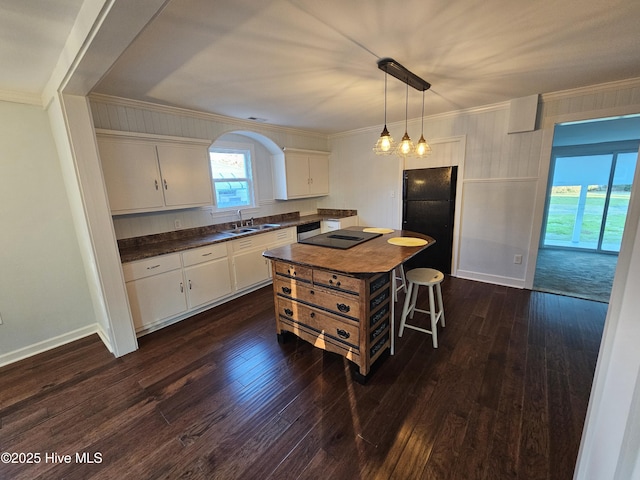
44	297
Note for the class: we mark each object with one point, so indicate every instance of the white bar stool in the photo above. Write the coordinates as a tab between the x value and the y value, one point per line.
427	277
402	285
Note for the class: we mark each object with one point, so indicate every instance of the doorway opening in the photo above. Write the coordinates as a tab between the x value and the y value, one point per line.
590	179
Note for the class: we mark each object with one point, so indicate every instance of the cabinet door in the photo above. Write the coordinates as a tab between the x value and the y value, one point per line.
318	174
157	297
186	177
131	175
250	268
297	171
207	282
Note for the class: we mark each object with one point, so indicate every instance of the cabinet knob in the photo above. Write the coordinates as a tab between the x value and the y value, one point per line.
344	308
286	290
165	184
312	314
342	333
288	312
156	182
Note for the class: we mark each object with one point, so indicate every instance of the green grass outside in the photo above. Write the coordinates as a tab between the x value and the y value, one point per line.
562	215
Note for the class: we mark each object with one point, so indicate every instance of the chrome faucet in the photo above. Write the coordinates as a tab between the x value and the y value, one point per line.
240	216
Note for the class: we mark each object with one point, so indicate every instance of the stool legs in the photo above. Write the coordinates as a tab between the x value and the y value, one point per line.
406	308
403	282
409	309
440	304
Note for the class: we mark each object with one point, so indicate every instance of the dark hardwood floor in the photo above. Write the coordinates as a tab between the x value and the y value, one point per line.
215	396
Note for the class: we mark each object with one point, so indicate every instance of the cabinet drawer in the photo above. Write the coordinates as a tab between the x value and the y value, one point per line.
337	281
204	254
324	323
294	271
151	266
348	306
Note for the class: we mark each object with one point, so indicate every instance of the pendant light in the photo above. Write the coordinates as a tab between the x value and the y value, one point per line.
422	148
384	145
405	147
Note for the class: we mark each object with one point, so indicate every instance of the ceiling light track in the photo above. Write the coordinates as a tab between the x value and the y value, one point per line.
393	68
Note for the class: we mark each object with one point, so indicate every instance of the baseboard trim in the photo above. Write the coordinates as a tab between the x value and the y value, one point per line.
104	337
493	279
45	345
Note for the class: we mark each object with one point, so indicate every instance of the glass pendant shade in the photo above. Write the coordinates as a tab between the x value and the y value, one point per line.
384	145
405	147
422	147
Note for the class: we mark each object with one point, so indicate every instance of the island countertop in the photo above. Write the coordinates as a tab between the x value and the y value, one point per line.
373	256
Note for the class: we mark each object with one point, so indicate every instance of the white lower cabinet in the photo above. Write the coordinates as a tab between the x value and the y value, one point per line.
170	287
155	287
250	268
206	273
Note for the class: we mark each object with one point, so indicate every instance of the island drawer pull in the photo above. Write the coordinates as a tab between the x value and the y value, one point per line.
288	312
207	254
344	308
342	333
286	290
153	266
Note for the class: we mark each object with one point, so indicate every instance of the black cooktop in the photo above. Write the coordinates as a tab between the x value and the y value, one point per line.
341	239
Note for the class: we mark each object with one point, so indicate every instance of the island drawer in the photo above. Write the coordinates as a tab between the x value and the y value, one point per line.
320	340
320	322
337	281
296	272
344	305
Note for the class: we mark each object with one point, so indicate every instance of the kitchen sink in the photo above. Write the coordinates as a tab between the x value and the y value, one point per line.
254	228
240	231
264	226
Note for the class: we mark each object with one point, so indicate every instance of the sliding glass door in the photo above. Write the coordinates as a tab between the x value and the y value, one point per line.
588	196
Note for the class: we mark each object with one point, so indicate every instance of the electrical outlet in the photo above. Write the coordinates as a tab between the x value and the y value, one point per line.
517	259
178	223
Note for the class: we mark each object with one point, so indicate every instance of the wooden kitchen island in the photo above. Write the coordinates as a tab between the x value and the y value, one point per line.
340	300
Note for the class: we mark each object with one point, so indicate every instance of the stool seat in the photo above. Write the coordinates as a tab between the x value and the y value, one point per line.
430	278
424	276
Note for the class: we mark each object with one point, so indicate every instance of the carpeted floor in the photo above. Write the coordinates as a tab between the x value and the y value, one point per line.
573	273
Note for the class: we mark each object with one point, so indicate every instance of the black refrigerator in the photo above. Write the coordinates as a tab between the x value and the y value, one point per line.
428	206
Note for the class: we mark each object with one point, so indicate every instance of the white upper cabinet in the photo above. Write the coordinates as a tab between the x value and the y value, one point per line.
144	174
300	174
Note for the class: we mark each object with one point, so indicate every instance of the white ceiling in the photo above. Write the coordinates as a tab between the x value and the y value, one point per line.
312	64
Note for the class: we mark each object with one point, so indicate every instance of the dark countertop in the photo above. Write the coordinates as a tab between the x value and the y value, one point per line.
372	256
139	248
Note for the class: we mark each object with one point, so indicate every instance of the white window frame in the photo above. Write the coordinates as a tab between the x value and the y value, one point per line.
237	147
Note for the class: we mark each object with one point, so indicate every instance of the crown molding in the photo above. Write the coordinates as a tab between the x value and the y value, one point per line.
21	97
197	114
591	89
438	116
